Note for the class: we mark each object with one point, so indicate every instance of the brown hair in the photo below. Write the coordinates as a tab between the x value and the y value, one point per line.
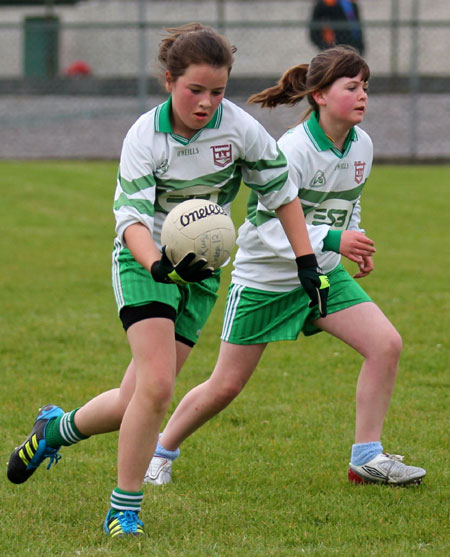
194	43
303	80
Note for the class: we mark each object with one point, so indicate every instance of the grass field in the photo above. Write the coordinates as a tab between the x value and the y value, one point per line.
268	476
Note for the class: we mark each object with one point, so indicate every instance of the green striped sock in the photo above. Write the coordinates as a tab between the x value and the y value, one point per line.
126	500
63	431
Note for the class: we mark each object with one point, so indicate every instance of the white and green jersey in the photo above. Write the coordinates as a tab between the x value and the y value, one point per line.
159	169
329	184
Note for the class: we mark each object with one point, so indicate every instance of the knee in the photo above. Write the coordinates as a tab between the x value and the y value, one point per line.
394	345
388	348
225	393
162	394
156	394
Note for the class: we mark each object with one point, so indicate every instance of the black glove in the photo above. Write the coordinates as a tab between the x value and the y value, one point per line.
186	271
315	283
183	272
160	269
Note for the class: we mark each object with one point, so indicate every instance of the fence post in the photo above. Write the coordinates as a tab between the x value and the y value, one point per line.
414	80
142	63
221	16
394	37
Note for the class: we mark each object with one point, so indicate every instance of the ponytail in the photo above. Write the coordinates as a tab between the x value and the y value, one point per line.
290	89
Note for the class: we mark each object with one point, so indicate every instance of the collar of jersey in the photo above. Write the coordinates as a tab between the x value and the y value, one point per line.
320	139
163	124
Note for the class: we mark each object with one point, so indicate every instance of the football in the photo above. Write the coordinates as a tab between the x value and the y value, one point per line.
200	226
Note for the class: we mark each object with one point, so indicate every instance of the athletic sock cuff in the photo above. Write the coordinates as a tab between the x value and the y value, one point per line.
126	500
362	453
62	431
68	430
164	453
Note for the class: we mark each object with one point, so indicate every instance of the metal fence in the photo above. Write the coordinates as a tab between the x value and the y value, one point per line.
76	77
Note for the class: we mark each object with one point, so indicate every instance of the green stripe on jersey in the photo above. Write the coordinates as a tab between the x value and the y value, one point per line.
213	180
263	164
251	207
136	185
141	205
272	185
317	196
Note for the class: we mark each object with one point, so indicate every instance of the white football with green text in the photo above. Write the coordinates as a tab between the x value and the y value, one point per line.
200	226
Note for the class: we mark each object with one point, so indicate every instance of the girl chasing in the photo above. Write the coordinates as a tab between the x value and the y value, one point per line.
330	158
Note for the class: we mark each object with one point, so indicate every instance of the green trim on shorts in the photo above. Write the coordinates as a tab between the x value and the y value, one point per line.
257	316
134	286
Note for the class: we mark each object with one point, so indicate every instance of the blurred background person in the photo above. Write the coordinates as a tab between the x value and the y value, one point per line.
336	22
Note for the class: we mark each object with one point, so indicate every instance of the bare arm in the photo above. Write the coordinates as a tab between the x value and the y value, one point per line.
293	221
141	244
311	278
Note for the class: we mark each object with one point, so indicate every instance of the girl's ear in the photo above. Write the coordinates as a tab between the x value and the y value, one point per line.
319	97
169	81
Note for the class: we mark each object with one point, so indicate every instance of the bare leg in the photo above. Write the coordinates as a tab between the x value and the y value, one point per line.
365	328
234	368
104	413
155	370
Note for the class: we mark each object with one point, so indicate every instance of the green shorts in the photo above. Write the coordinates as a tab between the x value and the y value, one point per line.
134	286
257	316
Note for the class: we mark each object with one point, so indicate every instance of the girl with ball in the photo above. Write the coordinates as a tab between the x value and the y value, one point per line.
196	144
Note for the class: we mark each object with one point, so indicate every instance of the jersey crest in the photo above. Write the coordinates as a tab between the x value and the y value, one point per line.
318	179
222	154
162	167
359	171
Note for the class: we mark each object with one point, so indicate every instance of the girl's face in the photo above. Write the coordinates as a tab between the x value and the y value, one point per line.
195	97
345	101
